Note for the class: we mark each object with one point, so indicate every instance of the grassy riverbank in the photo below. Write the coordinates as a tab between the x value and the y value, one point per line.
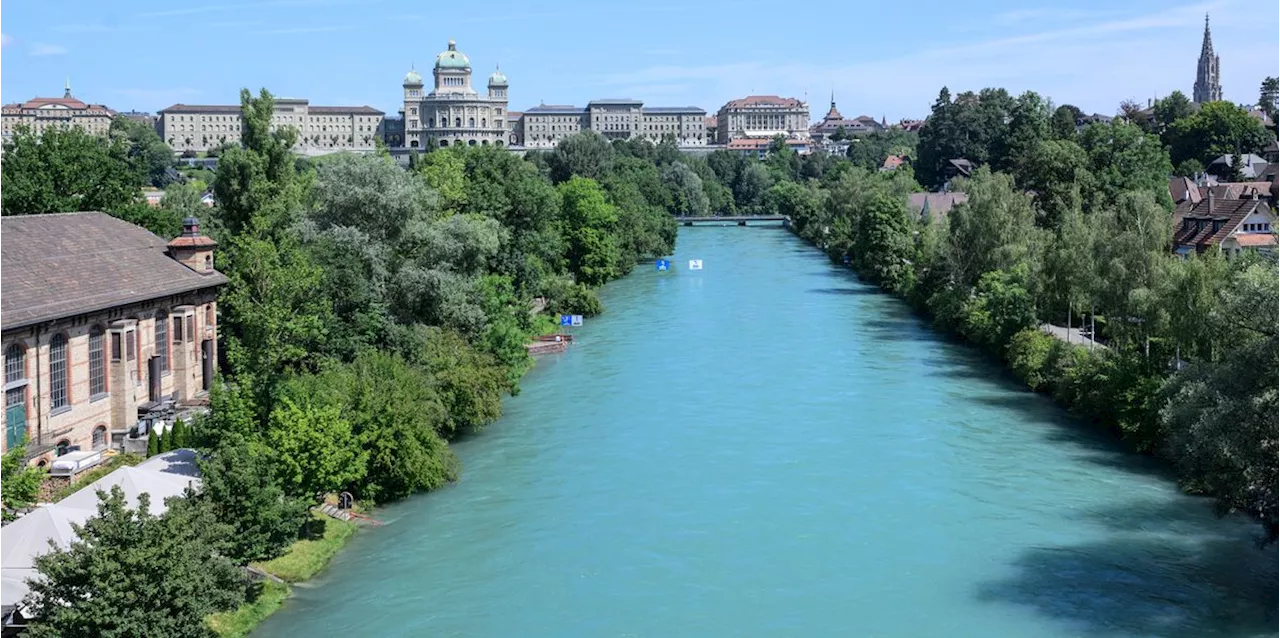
305	558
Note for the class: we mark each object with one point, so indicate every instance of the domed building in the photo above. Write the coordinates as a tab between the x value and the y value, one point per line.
453	113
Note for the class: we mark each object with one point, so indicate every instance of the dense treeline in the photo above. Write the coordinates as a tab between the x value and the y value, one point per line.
1074	228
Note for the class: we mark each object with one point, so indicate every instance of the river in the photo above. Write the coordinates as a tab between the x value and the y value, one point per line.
768	447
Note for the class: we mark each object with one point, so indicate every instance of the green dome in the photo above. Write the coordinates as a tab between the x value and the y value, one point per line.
497	79
413	77
452	59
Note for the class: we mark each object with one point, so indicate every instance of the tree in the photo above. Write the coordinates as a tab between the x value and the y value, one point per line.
1269	97
237	480
1063	122
166	439
148	153
589	221
840	134
1123	158
1218	128
65	170
993	230
586	154
1170	109
871	150
1028	126
1057	172
445	173
153	442
19	483
315	451
687	194
883	245
133	574
258	181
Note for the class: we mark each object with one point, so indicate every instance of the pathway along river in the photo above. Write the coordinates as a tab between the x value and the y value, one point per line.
768	447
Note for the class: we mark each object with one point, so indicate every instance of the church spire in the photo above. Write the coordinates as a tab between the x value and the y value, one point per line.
1207	87
66	91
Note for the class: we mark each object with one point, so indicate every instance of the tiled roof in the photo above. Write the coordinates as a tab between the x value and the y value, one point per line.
201	108
1255	240
757	143
764	100
712	121
937	205
615	101
673	109
892	162
1182	189
1236	190
1197	225
68	264
555	109
343	110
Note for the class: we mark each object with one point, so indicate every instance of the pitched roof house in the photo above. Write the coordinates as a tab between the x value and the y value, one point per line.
934	206
101	320
1233	225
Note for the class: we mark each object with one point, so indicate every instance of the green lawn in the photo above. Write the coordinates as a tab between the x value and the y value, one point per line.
308	556
305	558
238	623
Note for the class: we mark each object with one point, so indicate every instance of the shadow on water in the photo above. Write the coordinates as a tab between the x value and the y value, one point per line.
845	291
1164	570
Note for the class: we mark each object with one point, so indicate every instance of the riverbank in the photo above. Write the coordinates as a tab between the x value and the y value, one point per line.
305	558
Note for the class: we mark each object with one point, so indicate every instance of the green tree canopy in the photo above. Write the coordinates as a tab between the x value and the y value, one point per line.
66	170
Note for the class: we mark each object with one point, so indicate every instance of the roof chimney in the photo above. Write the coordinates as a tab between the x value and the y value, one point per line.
1210	200
194	250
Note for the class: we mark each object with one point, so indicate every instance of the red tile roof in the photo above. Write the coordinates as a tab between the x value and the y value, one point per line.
763	100
1254	240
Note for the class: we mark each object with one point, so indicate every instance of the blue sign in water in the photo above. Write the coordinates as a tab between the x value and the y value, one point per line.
664	264
566	320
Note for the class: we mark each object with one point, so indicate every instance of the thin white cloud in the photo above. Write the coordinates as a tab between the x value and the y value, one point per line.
40	49
211	8
159	95
300	30
5	40
1094	66
96	28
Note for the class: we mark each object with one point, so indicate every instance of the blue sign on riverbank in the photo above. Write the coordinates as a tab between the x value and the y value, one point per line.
566	320
664	264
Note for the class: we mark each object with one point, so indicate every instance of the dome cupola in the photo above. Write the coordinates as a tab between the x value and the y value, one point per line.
413	78
452	58
497	79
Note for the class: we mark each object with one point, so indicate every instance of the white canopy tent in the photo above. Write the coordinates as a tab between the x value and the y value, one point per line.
161	476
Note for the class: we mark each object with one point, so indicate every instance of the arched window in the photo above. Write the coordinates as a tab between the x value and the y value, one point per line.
484	121
59	394
444	143
471	142
100	437
63	446
162	340
97	363
208	262
457	122
471	122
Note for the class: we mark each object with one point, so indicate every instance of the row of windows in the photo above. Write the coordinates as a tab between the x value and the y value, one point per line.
59	363
1263	227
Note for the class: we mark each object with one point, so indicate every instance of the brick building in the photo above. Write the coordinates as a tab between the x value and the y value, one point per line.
100	320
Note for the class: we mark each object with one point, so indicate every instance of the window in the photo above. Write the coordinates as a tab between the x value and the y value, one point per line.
63	447
15	363
131	346
115	346
100	437
58	394
162	340
97	363
208	315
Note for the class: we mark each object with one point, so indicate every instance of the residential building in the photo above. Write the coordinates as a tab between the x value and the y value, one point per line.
1207	87
910	126
1233	225
321	129
1251	166
934	206
101	320
41	113
616	119
452	112
762	116
893	162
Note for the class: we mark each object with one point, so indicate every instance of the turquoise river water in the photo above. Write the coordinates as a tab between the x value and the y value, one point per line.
768	447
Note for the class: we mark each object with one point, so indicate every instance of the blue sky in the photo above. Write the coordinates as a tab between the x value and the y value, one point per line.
880	59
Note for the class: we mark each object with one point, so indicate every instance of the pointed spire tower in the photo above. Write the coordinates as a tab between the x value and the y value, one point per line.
66	91
1207	87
